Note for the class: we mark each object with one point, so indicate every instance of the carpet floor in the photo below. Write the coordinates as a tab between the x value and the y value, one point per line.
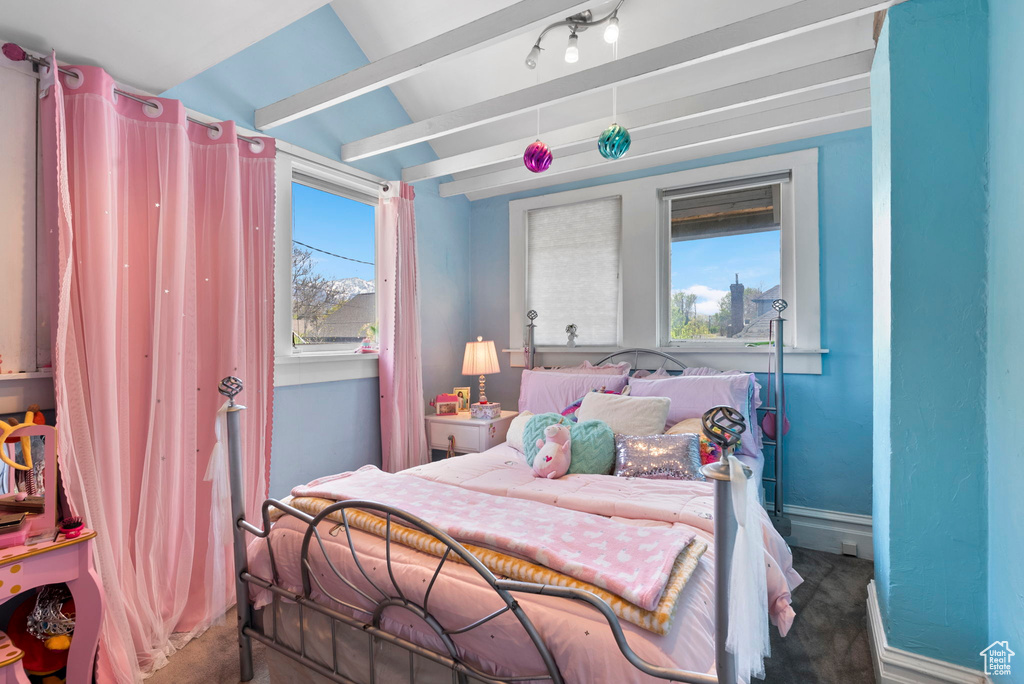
828	643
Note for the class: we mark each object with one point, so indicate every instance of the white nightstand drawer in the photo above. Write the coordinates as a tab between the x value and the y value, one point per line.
472	435
467	437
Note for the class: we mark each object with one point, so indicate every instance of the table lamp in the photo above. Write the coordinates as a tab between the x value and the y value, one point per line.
481	359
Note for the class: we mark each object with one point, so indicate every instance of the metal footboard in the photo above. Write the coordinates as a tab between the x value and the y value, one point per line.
389	596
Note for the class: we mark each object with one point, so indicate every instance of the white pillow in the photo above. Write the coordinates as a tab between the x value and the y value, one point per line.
626	415
514	436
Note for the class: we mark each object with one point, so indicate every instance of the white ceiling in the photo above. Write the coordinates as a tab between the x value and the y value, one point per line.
152	45
383	27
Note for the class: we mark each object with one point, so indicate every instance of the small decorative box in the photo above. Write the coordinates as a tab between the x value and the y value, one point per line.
446	404
489	410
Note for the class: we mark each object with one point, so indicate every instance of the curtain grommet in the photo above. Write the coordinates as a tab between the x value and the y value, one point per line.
215	131
113	93
78	80
153	109
256	146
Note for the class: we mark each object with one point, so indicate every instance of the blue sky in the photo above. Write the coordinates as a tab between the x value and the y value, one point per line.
707	267
337	225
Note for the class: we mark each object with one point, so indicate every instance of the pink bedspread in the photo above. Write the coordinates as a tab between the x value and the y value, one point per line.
503	471
632	563
577	636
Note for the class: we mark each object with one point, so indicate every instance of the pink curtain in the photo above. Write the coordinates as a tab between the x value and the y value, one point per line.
402	432
164	267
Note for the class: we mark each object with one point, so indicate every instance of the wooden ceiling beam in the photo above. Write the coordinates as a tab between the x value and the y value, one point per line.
844	104
852	67
760	29
412	60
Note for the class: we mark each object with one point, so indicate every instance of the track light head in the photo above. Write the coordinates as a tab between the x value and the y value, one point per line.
572	51
531	59
611	32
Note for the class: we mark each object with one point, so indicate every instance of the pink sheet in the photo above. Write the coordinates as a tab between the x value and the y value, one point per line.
633	564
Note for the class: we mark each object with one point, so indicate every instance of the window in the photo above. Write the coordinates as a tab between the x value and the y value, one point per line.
573	270
724	255
325	274
334	305
687	241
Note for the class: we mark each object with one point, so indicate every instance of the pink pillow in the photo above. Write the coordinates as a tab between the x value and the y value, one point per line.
587	368
550	392
692	395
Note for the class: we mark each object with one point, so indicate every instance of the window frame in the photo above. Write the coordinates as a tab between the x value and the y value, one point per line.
295	366
645	266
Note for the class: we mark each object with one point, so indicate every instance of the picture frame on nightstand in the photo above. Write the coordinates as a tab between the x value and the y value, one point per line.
463	394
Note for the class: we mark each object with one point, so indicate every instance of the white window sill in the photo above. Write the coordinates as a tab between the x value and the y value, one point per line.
720	356
309	367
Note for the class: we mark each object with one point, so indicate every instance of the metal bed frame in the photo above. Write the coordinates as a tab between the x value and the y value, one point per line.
382	597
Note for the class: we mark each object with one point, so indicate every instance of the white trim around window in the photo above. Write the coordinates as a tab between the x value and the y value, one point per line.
645	269
293	367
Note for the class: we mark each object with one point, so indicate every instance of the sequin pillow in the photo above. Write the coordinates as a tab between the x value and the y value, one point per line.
668	457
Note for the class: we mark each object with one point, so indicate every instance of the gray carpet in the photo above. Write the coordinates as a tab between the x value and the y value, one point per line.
827	645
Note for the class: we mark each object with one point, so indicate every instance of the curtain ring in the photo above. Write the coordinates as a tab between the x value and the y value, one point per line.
214	131
79	80
153	109
113	92
256	146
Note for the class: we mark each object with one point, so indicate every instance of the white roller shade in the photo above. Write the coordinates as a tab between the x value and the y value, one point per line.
573	271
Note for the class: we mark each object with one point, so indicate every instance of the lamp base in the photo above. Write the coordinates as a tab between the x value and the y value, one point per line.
487	411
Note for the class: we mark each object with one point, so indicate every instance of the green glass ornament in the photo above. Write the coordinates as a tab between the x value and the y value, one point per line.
614	142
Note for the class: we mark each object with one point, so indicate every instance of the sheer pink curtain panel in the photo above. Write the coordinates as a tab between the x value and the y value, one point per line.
164	286
402	434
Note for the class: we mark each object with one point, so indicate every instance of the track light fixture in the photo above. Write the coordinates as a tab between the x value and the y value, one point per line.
578	23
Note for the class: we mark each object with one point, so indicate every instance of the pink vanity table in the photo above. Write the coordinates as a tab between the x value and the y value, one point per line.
23	568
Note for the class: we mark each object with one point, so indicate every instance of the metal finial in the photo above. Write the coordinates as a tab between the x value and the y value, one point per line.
723	425
780	305
531	314
230	387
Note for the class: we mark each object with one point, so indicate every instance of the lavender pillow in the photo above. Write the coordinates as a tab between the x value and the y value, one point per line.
692	395
587	368
550	392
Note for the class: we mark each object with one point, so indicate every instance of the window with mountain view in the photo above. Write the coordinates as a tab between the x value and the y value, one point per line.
725	261
334	304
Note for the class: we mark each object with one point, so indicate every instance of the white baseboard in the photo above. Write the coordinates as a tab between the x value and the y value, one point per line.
896	666
822	530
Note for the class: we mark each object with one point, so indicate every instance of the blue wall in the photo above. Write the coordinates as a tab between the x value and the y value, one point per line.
1006	329
332	427
881	312
933	137
829	456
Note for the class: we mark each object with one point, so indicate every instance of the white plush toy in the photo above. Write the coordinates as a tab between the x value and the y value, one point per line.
552	461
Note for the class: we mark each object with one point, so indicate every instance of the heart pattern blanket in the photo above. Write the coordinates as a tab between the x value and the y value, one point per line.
631	562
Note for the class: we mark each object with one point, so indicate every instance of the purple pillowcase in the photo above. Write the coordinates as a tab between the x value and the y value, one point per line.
550	392
692	395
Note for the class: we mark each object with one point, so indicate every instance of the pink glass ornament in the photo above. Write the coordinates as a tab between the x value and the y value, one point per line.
537	157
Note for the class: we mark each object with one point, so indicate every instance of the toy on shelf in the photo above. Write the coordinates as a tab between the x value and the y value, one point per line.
35	494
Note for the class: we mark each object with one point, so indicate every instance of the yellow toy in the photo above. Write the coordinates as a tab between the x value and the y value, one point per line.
33	417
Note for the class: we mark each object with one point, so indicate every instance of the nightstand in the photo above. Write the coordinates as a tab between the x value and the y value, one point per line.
461	434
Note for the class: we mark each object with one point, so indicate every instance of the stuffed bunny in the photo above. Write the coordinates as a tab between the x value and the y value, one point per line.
552	461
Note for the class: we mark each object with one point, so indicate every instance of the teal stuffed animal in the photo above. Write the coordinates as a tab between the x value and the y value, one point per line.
593	443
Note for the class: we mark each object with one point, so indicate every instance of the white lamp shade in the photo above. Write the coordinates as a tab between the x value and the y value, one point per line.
480	359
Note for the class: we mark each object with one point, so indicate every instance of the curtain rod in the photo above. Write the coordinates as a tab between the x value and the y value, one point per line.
16	53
